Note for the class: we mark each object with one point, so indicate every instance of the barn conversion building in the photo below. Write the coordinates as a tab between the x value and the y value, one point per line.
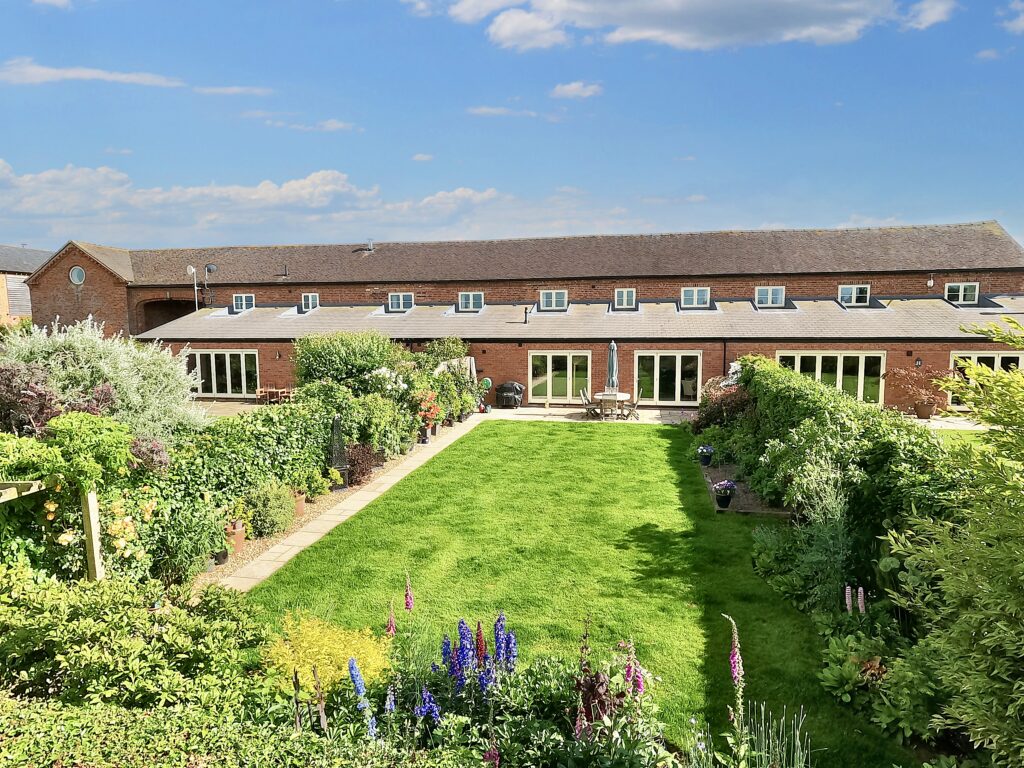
841	305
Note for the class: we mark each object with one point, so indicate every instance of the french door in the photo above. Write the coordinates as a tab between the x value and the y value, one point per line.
858	374
1005	361
226	373
558	377
667	377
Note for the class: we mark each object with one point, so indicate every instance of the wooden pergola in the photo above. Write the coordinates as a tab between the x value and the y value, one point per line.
16	489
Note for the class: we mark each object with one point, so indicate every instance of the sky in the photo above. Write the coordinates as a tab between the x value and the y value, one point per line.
148	123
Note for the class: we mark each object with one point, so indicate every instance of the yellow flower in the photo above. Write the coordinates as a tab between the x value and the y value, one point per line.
66	538
120	544
50	515
50	506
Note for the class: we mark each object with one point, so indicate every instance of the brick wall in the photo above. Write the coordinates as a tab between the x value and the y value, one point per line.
509	361
103	295
910	284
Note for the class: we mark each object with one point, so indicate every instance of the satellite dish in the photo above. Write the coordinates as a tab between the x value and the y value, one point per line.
190	270
211	268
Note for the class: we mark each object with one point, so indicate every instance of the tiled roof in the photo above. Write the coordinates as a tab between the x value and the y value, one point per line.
811	319
17	296
21	261
980	245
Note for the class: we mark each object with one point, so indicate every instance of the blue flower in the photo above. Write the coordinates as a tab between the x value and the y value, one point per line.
389	702
499	639
511	651
371	727
357	679
446	651
428	707
467	647
486	675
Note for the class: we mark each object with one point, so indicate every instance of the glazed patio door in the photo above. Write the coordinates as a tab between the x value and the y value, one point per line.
558	377
225	374
668	378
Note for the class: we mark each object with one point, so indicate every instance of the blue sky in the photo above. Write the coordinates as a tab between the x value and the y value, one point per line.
194	122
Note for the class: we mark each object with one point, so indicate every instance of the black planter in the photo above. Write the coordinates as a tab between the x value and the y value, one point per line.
219	558
724	500
424	436
705	461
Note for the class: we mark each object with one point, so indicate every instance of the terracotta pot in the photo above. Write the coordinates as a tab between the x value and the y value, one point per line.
924	410
234	532
300	504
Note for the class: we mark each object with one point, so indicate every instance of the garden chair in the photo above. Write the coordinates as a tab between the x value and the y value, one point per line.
589	406
630	411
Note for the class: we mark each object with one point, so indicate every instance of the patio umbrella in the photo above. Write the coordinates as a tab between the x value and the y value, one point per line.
612	383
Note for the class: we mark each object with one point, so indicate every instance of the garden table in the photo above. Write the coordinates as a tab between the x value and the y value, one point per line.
612	403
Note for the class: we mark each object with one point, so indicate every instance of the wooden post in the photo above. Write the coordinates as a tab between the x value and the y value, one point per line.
91	523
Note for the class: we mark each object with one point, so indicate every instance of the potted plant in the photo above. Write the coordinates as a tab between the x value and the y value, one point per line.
704	453
918	385
428	413
724	491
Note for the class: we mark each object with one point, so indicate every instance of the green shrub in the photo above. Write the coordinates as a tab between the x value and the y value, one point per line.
117	641
345	358
271	509
151	392
440	350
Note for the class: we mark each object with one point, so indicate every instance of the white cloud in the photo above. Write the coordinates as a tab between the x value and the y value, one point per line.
53	3
687	158
988	54
500	112
25	71
691	24
422	157
330	125
420	7
928	13
233	90
696	198
523	30
576	90
1015	23
118	151
103	204
857	221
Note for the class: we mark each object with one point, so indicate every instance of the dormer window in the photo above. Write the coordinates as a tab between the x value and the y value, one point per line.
695	297
471	301
770	296
400	302
625	298
962	293
240	302
554	300
855	295
310	301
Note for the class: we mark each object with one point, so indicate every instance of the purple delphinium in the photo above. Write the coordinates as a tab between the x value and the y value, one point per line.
428	707
499	639
446	651
511	651
357	683
389	702
467	647
371	727
486	675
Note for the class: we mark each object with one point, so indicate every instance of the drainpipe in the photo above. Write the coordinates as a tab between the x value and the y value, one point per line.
725	359
526	315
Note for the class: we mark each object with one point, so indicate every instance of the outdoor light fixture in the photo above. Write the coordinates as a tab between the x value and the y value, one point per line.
931	281
195	284
918	363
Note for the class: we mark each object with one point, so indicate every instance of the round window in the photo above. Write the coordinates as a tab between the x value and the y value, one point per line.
77	275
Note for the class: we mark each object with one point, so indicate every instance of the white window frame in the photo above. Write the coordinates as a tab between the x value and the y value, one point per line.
310	301
624	293
397	301
246	298
694	293
650	398
841	354
770	289
554	294
573	397
959	301
854	288
466	301
973	356
196	354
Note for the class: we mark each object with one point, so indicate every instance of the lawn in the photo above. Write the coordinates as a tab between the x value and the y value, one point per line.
953	437
555	522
